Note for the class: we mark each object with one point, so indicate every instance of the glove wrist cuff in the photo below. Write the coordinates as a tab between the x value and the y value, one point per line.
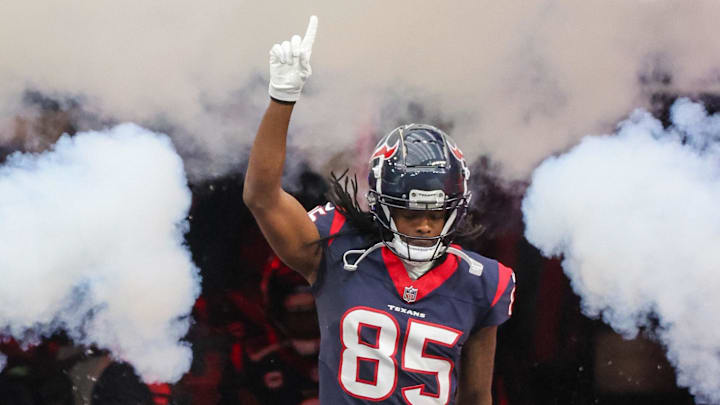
284	102
281	94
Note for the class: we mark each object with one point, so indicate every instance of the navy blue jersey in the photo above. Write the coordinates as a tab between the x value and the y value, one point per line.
386	337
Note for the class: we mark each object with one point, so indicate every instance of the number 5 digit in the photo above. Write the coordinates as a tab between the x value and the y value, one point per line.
414	359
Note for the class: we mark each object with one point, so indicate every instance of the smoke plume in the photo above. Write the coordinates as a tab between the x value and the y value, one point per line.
91	243
518	80
635	217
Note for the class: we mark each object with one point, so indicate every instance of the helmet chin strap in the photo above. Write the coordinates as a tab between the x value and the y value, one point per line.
412	253
421	254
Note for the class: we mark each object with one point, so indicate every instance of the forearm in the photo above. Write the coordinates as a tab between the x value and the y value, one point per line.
476	373
263	178
474	398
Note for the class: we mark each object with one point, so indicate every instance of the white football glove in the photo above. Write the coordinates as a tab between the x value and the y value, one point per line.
290	64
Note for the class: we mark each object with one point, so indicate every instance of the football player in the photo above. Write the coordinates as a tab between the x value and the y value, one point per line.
405	316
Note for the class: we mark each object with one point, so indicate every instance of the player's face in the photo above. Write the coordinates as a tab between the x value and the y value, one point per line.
421	223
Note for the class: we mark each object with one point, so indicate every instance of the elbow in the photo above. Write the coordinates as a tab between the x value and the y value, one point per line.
250	198
256	198
251	190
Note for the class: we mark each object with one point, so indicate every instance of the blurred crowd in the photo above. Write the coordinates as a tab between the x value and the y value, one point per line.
255	338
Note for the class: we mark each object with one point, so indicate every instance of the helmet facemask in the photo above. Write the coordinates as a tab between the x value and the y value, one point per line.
417	167
402	244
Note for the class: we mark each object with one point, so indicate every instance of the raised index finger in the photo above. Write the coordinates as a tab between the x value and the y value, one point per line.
309	37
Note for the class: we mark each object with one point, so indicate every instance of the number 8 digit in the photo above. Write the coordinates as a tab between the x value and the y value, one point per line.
381	353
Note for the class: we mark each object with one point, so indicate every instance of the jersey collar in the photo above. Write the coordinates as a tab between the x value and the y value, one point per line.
414	290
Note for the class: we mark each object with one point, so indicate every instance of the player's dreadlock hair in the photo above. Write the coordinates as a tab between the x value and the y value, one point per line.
343	194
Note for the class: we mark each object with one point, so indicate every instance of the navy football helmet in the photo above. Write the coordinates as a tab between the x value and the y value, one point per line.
418	167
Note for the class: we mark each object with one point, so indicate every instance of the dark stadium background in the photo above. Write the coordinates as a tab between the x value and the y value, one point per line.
548	353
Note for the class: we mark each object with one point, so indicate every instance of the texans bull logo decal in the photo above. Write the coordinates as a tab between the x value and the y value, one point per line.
454	148
388	148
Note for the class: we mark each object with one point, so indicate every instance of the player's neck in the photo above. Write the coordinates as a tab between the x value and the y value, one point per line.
416	270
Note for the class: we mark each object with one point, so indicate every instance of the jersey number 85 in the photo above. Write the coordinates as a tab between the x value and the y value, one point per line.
382	355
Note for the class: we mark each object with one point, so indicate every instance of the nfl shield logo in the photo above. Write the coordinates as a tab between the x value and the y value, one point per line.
410	294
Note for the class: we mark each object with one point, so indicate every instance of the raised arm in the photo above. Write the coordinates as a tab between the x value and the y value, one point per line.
281	218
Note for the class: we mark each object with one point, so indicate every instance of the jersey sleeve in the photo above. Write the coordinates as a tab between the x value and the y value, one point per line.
327	219
500	289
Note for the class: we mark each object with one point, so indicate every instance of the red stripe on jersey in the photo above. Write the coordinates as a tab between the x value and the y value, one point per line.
425	284
337	224
504	275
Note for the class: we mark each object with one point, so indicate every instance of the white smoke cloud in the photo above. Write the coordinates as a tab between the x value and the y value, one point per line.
635	217
91	242
519	80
